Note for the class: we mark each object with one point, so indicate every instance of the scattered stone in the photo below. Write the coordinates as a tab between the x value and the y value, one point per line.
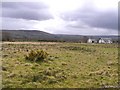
27	64
63	63
4	68
17	62
110	63
11	75
36	64
5	55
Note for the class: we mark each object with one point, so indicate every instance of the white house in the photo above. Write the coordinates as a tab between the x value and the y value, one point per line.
92	40
100	40
105	40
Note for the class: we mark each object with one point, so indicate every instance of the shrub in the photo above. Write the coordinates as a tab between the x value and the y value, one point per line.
38	55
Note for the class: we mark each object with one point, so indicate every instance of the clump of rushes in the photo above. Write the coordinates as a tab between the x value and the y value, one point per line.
38	55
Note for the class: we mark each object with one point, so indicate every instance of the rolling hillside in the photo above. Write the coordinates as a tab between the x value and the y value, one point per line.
34	35
27	35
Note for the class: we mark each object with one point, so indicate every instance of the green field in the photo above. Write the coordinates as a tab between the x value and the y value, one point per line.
69	65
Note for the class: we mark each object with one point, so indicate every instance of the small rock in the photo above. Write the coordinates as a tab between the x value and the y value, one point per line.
17	62
4	68
64	63
11	75
5	55
36	64
110	63
27	64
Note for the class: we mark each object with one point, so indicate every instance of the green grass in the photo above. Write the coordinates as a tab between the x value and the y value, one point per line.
69	65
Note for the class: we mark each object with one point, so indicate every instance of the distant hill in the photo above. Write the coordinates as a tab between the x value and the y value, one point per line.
27	35
34	35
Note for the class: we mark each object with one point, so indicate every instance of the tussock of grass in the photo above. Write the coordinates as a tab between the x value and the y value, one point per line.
38	55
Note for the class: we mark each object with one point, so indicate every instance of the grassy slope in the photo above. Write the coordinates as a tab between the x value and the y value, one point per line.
69	65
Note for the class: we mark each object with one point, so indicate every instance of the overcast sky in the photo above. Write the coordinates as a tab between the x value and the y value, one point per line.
81	17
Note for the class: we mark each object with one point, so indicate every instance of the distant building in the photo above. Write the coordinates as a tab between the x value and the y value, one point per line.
105	40
100	40
92	40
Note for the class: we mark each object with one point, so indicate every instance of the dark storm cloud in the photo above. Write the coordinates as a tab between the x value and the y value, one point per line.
32	5
26	10
93	18
103	20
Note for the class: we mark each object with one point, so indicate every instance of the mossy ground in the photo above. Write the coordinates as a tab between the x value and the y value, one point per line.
69	65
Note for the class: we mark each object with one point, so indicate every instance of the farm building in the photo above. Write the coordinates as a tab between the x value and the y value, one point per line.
100	40
105	40
92	40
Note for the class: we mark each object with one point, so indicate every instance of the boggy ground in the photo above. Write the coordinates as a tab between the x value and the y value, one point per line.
69	65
